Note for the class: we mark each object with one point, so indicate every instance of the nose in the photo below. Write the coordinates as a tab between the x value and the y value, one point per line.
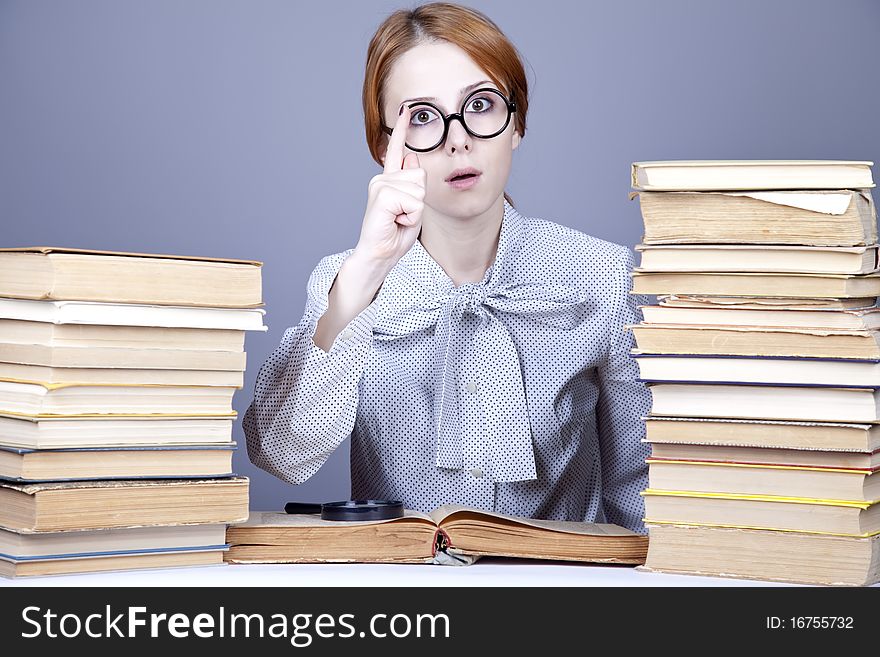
457	139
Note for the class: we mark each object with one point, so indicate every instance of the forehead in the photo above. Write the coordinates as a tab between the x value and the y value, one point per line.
432	69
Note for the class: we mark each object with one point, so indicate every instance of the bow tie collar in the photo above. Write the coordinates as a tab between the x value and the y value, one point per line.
465	318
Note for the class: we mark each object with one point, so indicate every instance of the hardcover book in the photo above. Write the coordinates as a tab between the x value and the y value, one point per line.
91	563
765	555
806	342
757	284
852	484
131	314
782	370
855	437
74	505
805	218
67	552
449	535
148	462
755	315
59	431
777	512
46	399
772	402
684	175
46	272
758	258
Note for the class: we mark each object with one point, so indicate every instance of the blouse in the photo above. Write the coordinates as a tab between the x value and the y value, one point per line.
516	394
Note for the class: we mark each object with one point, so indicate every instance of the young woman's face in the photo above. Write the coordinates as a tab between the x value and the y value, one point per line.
439	72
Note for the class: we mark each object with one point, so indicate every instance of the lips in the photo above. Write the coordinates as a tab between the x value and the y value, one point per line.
463	174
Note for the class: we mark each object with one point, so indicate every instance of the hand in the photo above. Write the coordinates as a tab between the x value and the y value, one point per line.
395	201
391	225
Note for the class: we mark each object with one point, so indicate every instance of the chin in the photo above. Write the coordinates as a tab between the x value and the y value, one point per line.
465	205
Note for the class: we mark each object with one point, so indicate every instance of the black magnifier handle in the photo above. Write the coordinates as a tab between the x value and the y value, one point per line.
350	510
302	507
361	510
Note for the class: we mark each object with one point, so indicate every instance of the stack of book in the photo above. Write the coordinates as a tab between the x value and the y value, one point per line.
117	372
762	355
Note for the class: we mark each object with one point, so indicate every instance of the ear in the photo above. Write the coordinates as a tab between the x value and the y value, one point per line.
516	139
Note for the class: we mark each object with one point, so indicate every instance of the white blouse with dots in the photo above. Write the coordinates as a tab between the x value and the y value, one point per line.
516	394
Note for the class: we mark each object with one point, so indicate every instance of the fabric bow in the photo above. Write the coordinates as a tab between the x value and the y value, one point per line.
500	390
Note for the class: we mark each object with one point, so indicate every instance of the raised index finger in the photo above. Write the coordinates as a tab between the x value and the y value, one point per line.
394	153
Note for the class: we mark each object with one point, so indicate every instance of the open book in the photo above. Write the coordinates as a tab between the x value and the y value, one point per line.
449	535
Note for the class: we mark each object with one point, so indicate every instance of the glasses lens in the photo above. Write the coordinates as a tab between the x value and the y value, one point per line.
425	129
485	113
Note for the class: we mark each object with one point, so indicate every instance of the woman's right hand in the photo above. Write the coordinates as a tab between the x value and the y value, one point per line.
395	201
391	226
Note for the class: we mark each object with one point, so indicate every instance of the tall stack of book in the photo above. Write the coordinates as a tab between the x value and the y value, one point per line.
117	372
762	355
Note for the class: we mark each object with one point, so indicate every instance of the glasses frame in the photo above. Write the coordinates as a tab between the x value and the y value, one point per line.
448	118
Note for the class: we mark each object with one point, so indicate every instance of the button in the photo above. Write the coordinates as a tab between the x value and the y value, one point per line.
347	334
471	386
477	473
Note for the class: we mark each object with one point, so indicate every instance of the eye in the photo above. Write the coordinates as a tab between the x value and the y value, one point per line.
480	104
420	116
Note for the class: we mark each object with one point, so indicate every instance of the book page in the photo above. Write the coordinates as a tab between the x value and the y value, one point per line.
32	488
833	203
752	421
764	248
442	513
803	330
55	249
282	519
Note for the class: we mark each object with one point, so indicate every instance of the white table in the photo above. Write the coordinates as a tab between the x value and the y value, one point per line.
485	572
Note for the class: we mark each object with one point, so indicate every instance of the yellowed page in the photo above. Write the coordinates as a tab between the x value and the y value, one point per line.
442	513
281	519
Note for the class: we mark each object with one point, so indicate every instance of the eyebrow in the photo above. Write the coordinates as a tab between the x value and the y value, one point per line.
463	91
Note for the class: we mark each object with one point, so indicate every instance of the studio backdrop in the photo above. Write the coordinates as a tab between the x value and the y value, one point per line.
234	128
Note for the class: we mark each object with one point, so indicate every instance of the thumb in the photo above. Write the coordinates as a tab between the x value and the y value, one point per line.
411	161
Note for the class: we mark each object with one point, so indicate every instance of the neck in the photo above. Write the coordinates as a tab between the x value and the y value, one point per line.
465	247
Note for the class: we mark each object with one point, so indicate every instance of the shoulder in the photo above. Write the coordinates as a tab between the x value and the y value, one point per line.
554	251
572	243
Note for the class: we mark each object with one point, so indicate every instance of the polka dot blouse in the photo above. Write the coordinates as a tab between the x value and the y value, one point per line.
516	394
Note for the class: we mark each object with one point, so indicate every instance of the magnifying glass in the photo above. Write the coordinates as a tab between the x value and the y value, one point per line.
350	509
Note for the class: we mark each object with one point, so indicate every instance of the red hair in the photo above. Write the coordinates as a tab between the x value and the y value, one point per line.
466	28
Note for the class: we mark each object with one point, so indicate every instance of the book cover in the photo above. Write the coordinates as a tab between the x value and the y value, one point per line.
691	175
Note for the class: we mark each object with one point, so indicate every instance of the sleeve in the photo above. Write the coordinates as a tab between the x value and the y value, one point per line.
623	401
305	399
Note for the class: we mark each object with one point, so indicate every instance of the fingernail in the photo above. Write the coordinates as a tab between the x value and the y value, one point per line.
401	111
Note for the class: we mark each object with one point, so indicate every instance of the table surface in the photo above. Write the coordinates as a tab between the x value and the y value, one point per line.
488	571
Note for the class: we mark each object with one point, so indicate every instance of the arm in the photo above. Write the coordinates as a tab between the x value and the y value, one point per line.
356	286
305	398
306	395
622	402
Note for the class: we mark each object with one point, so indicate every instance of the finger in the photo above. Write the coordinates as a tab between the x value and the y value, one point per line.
406	187
417	175
405	208
410	218
396	143
411	161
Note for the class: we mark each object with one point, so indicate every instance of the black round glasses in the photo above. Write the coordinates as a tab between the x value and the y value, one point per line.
485	113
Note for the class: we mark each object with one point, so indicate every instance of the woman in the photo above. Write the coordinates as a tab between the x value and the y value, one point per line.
474	355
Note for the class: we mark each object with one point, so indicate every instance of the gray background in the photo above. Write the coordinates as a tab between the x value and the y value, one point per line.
234	129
